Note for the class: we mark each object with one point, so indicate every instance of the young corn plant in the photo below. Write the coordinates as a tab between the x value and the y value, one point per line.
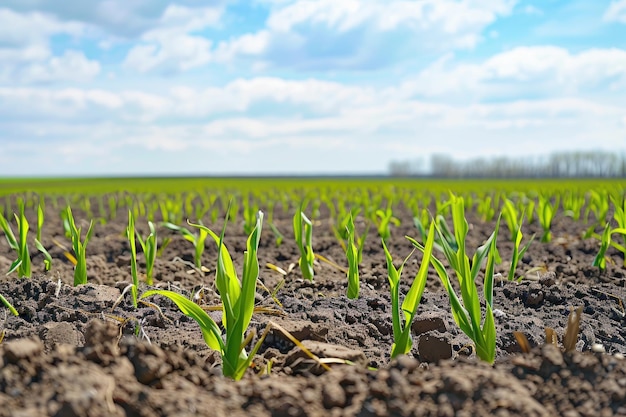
196	239
605	242
467	311
237	304
47	259
573	203
514	224
354	253
149	249
23	263
384	219
79	246
547	211
303	231
620	218
402	315
130	234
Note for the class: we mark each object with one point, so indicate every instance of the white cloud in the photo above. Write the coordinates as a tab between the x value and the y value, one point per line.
169	47
540	70
122	19
71	66
25	55
324	115
354	34
616	12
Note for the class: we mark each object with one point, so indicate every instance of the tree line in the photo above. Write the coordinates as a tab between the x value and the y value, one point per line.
578	164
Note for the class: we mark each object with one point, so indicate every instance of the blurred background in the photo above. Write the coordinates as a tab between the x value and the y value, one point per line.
188	87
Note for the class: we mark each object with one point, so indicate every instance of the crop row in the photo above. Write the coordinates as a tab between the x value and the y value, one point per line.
441	230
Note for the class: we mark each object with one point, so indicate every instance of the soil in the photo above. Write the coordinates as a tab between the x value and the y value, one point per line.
80	351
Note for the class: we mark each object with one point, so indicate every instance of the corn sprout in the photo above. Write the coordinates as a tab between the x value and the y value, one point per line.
354	253
303	231
80	270
515	228
467	314
22	264
237	304
402	328
130	234
149	249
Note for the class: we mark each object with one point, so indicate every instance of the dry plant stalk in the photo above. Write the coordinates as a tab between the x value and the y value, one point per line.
571	333
573	328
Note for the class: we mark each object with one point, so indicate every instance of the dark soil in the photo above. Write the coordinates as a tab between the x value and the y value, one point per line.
75	352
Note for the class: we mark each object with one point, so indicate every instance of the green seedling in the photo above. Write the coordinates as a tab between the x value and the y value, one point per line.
23	263
514	224
196	239
384	219
620	218
237	304
278	237
130	234
80	269
47	259
402	328
606	241
442	226
340	226
467	314
149	249
354	253
303	231
547	211
573	203
8	305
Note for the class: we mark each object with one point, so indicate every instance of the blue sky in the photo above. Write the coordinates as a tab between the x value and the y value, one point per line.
119	87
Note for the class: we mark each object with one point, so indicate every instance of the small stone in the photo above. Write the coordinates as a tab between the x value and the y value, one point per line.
598	348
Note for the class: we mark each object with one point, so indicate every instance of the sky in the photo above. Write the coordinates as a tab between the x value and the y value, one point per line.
191	87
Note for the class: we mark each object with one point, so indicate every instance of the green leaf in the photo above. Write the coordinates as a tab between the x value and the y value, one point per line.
210	330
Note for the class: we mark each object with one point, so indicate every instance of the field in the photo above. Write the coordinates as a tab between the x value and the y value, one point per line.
324	330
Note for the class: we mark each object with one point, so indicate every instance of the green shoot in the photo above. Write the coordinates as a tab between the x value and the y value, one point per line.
485	208
467	314
354	253
277	235
402	331
237	303
47	258
620	217
80	270
130	234
303	231
384	219
8	305
149	249
22	264
573	202
515	228
606	241
249	216
546	213
196	239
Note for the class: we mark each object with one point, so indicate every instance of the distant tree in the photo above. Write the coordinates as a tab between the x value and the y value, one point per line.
558	164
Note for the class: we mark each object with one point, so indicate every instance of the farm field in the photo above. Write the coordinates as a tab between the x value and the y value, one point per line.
87	350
